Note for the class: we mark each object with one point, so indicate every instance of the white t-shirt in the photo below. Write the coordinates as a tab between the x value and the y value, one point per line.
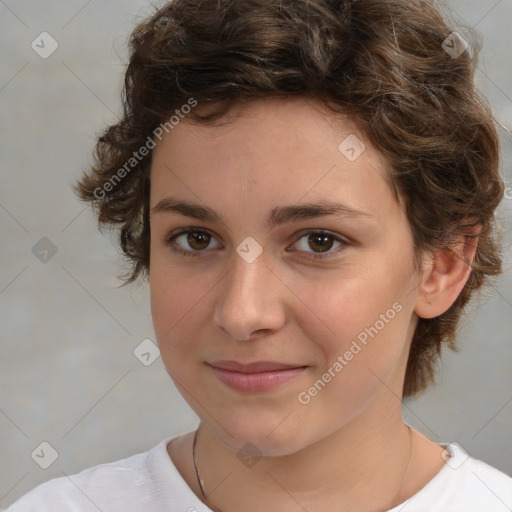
150	482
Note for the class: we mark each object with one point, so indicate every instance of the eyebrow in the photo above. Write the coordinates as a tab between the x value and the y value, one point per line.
277	216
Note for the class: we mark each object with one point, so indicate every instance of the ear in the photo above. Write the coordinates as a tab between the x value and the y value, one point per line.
444	277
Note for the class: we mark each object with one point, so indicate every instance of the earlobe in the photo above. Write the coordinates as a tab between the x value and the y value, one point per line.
444	277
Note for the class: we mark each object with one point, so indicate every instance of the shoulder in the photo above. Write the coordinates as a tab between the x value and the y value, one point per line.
484	487
463	484
119	485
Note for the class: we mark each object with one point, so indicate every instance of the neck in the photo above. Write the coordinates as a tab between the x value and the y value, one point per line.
362	466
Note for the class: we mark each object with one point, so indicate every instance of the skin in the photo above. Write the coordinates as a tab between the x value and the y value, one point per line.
348	448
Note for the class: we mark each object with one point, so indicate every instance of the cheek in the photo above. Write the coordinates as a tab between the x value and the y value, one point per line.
174	320
369	338
173	299
360	317
180	298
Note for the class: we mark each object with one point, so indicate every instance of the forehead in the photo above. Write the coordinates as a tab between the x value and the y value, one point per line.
268	152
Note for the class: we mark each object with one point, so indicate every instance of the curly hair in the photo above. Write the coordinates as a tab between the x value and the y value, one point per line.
383	63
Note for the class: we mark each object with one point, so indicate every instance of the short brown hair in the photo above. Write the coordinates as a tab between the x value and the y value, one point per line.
381	62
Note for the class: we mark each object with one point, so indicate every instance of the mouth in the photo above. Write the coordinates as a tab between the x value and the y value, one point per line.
254	377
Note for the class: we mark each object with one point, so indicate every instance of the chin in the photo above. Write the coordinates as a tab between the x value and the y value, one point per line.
260	438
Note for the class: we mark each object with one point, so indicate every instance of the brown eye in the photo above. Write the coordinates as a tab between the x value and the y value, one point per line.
190	242
320	242
198	240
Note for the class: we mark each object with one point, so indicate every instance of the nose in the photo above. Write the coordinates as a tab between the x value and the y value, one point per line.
250	302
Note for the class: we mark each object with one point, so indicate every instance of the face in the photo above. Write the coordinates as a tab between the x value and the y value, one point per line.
262	279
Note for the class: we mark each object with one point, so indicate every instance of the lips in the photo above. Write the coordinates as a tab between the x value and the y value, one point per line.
256	367
254	377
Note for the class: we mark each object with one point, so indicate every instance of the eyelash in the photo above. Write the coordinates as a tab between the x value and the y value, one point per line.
170	242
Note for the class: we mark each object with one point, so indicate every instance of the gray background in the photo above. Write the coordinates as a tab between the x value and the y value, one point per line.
69	375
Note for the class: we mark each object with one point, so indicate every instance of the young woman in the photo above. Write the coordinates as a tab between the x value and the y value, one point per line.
309	188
